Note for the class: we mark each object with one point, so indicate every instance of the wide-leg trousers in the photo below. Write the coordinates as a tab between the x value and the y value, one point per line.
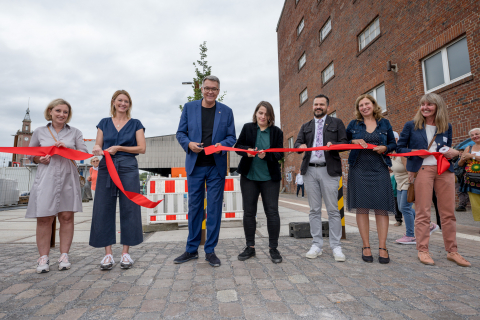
103	231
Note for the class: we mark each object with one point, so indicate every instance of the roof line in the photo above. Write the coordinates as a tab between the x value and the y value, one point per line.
281	14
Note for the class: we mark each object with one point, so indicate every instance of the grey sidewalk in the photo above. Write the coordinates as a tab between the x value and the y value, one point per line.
298	288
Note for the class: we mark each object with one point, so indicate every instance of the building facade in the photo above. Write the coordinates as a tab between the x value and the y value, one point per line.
22	139
395	50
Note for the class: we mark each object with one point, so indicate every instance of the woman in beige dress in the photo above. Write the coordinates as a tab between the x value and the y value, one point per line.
56	190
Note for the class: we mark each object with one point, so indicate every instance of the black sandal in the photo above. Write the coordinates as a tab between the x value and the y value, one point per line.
383	260
367	258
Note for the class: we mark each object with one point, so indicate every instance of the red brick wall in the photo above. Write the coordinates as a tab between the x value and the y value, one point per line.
409	31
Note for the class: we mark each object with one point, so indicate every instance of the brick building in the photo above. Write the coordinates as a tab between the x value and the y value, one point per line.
344	48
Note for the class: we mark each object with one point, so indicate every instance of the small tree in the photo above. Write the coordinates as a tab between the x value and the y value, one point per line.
206	70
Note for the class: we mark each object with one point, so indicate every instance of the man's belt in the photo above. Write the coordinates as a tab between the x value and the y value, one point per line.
323	164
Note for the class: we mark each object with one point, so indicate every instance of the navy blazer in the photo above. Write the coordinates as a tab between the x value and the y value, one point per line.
356	129
190	129
417	139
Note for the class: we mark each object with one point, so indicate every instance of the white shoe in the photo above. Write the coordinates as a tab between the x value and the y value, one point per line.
314	252
107	262
338	254
63	263
127	261
43	264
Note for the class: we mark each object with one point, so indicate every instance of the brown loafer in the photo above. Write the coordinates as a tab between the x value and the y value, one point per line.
398	224
425	258
458	259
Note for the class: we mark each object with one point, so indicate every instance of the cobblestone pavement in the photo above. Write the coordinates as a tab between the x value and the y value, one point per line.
298	288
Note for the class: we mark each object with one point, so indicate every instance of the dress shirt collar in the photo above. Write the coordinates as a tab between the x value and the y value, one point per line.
321	120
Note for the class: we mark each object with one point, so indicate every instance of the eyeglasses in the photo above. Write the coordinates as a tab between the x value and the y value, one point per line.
207	89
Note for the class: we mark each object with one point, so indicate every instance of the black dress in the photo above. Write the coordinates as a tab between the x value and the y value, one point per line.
369	185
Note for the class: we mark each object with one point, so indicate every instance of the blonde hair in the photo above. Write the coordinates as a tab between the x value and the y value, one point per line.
441	116
377	110
55	103
91	160
113	111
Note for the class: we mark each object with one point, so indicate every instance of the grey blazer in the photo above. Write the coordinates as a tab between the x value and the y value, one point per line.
334	132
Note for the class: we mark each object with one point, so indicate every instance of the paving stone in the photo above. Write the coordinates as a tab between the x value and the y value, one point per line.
230	310
277	307
227	295
124	314
131	302
339	297
16	288
153	306
72	314
174	310
51	309
298	279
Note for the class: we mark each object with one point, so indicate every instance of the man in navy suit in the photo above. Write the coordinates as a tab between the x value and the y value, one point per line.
203	123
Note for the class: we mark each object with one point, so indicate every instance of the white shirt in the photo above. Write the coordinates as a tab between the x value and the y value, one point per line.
314	158
299	179
430	160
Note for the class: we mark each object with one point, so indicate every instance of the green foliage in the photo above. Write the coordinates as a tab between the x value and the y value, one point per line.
205	70
143	176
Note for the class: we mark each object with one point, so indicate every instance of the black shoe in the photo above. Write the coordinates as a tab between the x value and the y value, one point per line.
460	208
383	260
186	256
212	259
366	258
275	256
247	253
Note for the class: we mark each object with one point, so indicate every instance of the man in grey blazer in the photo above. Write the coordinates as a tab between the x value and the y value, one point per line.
321	171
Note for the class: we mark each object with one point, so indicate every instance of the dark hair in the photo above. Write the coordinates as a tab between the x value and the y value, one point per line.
322	96
270	113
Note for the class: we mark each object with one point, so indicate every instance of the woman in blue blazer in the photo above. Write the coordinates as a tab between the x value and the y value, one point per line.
369	187
431	123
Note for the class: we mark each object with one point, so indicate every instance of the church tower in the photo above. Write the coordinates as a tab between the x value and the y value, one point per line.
22	139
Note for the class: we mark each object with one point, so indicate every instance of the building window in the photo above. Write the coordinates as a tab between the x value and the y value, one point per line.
370	33
447	65
302	61
326	30
333	114
328	73
290	142
303	96
300	27
379	94
296	2
26	128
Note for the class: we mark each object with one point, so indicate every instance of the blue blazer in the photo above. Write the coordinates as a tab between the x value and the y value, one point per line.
417	139
190	129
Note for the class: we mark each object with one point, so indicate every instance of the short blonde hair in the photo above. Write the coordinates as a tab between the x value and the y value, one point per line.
91	160
55	103
474	129
441	116
377	110
113	111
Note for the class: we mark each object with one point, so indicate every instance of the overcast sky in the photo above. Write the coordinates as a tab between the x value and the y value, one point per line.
83	51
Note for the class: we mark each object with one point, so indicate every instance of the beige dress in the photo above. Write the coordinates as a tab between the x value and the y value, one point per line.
56	187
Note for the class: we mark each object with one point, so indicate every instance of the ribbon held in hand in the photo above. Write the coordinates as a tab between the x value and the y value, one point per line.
442	163
72	154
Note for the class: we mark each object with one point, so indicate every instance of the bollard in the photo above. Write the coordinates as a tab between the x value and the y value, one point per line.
341	207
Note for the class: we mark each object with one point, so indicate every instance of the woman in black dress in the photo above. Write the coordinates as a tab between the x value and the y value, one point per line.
369	188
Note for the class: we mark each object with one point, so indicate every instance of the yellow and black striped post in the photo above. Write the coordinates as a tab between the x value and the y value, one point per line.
340	207
204	222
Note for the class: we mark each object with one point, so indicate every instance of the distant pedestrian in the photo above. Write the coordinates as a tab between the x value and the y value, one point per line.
260	175
463	200
56	190
369	186
299	183
471	160
123	138
93	175
393	178
431	130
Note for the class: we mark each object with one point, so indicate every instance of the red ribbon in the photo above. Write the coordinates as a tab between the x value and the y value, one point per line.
79	155
442	163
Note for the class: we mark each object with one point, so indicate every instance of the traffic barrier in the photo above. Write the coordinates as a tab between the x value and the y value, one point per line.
174	193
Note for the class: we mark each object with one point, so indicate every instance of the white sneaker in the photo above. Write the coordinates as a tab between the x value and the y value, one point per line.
43	264
63	263
338	254
107	262
314	252
127	261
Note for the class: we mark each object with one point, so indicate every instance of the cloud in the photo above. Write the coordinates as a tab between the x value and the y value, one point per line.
84	51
